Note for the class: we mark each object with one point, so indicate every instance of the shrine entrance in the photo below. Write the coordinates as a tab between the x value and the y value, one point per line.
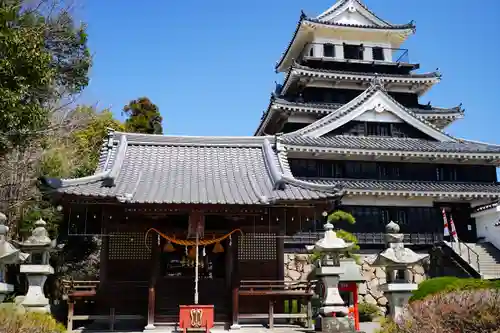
175	274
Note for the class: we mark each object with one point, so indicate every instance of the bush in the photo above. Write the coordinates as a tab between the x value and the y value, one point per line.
368	311
12	320
449	284
458	311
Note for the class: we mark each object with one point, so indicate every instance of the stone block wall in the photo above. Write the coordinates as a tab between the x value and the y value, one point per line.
368	291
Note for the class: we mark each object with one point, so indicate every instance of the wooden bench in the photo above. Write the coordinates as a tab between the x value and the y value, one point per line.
274	290
86	291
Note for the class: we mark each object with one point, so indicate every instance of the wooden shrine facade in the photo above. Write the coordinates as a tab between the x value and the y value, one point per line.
144	274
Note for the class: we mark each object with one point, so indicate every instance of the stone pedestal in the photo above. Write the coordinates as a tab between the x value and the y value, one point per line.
8	255
337	325
39	246
397	261
329	280
35	299
333	310
398	295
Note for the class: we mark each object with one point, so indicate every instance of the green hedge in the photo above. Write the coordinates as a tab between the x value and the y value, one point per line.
448	284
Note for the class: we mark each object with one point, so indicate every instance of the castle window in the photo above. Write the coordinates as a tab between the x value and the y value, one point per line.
378	129
353	51
378	53
311	51
329	50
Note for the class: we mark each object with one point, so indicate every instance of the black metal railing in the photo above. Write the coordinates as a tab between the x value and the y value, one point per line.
466	253
355	52
366	238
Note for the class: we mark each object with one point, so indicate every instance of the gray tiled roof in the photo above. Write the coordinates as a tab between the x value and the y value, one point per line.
389	143
199	170
407	26
415	187
318	107
430	75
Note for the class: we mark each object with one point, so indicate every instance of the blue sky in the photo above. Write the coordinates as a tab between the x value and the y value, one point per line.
209	64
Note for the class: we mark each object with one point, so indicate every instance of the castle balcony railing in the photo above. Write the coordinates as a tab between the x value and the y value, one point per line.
354	53
366	238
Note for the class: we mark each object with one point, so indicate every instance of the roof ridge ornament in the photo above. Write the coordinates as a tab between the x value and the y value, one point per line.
377	82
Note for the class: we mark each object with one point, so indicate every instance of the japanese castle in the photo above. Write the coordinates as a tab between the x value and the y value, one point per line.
344	130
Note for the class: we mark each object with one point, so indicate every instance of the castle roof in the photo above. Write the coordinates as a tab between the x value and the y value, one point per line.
333	18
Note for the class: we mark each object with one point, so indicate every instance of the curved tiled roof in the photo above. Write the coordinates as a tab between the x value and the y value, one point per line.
297	70
407	26
324	108
194	170
414	188
407	145
316	71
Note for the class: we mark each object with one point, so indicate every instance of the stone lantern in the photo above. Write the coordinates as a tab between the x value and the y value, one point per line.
39	246
8	255
333	310
398	261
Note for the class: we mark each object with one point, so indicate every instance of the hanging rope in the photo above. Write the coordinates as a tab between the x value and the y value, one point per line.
185	242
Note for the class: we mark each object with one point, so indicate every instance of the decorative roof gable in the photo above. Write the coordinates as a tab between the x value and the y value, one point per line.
352	12
374	100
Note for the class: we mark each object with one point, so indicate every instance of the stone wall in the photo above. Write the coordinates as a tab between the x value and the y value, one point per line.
296	267
369	291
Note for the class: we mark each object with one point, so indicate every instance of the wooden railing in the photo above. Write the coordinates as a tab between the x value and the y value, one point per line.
274	290
369	238
88	291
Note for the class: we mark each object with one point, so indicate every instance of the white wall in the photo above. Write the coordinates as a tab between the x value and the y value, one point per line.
339	49
485	225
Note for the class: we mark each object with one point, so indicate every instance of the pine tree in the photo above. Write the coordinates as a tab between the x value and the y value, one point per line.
143	117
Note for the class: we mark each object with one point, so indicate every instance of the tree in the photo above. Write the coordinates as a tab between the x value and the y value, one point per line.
43	59
88	140
342	217
143	117
336	218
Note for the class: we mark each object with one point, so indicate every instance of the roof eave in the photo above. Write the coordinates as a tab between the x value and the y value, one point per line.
434	194
407	29
279	67
490	157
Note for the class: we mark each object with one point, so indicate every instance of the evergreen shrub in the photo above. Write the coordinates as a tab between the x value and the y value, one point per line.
368	311
13	320
449	284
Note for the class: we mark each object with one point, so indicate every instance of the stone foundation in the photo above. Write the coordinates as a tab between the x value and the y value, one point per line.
298	270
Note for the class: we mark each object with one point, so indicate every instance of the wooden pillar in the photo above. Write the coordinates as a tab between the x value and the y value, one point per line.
271	314
236	309
235	283
280	244
155	263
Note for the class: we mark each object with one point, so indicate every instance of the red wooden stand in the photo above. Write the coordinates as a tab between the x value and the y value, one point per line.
352	288
196	317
